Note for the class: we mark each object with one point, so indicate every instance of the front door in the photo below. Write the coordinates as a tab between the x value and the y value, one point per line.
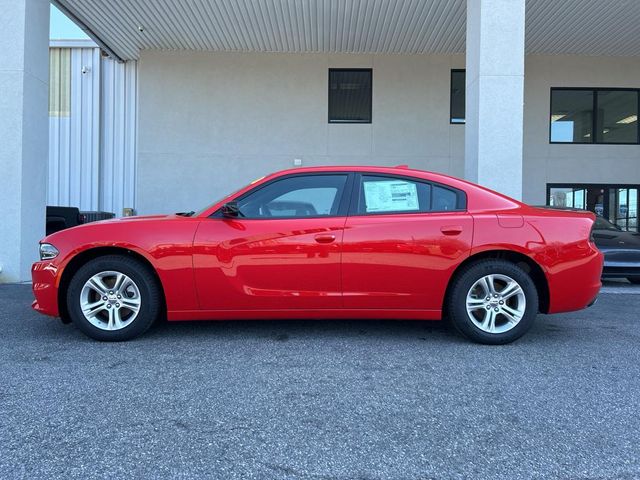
283	252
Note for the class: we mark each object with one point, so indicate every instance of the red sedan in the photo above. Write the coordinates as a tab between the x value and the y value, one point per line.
327	242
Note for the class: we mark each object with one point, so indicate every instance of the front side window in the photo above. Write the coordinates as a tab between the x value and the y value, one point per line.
594	116
295	197
350	95
382	194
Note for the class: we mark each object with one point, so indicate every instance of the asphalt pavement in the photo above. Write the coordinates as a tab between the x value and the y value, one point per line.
322	399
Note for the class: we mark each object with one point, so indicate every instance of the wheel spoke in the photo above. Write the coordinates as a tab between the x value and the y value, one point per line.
511	313
489	323
488	285
510	290
121	279
115	321
111	322
92	309
98	285
132	304
475	304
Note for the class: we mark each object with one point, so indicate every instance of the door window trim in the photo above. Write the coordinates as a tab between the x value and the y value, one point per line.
461	196
343	205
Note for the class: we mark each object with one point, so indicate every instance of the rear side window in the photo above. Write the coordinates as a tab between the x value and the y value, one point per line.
386	194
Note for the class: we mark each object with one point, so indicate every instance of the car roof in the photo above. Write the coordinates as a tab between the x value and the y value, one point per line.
478	197
395	170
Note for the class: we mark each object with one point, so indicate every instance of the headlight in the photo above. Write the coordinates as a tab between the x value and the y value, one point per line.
48	251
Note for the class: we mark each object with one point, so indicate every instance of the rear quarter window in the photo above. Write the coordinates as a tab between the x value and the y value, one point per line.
380	194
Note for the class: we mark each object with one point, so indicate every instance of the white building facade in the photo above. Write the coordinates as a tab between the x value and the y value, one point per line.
536	99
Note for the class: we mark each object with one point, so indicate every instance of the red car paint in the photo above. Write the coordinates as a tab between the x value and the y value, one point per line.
382	266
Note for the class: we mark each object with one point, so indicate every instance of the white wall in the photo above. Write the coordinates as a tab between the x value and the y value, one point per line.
24	80
211	122
546	163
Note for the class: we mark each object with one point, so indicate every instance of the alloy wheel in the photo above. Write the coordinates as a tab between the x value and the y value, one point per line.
110	300
496	303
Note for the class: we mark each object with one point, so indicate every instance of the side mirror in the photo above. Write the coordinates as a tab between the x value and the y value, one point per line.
231	210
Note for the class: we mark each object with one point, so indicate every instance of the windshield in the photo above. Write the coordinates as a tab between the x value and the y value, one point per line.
202	210
199	212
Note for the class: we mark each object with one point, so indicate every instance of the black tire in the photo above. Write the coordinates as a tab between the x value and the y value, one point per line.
463	282
140	274
635	280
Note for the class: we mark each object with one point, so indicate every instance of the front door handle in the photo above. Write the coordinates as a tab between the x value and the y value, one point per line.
325	238
451	229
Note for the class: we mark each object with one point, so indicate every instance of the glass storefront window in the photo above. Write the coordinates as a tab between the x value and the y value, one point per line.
567	198
616	203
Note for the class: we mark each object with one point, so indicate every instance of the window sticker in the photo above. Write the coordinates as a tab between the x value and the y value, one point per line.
390	196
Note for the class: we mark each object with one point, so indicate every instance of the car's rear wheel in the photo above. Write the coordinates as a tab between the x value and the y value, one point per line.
635	280
113	298
493	302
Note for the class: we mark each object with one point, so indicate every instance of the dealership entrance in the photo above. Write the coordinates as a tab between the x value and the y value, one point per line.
617	203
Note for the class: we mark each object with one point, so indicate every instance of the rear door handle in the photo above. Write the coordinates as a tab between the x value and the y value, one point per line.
451	229
325	238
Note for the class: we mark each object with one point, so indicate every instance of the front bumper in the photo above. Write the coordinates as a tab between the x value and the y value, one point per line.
44	276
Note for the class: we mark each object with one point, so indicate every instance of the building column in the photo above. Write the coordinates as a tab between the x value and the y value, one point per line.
24	133
495	94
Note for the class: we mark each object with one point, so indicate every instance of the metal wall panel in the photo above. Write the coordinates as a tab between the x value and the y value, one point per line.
74	133
92	143
118	143
576	27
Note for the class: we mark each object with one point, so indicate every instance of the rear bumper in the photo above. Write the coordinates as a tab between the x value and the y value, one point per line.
44	276
575	285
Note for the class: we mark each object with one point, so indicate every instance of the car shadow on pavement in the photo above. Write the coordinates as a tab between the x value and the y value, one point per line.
284	330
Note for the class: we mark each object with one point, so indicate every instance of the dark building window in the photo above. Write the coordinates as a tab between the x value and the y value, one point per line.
457	111
350	95
588	115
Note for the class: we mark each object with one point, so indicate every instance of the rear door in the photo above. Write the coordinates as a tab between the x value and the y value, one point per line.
403	239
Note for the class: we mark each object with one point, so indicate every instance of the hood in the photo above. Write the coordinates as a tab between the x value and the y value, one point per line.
115	221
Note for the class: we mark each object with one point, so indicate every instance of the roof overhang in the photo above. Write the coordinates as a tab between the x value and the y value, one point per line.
554	27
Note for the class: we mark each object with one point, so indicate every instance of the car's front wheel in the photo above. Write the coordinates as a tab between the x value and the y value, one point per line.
113	298
493	302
